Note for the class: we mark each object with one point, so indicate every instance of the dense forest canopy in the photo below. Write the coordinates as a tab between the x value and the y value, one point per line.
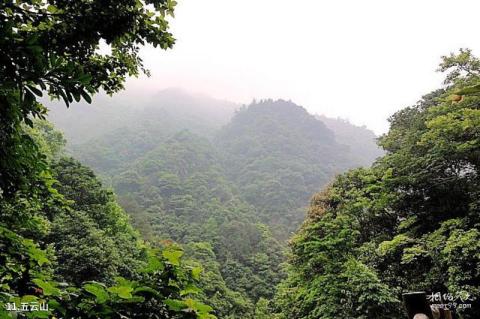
66	247
358	139
278	155
180	205
408	223
185	185
162	113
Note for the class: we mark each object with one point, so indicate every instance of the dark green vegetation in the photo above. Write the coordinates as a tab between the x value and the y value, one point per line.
278	155
205	188
411	222
52	46
356	138
116	131
230	191
178	192
63	239
78	252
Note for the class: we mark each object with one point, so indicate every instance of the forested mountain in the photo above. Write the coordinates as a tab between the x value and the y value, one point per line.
115	131
410	222
274	151
179	192
168	111
190	216
360	140
278	155
229	186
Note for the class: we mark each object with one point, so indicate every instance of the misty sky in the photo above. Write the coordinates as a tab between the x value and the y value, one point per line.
358	59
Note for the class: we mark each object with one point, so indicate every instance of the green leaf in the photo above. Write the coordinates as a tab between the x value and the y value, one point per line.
154	264
85	78
196	271
98	291
52	9
197	306
175	304
76	96
173	256
190	290
86	96
48	288
64	97
35	253
123	292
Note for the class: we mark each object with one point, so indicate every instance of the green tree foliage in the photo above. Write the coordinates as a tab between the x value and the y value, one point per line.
180	189
177	185
53	46
325	277
50	228
82	238
411	222
93	240
279	155
262	310
226	302
49	140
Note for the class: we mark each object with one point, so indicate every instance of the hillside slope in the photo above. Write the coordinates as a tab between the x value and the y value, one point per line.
116	131
361	141
279	155
178	191
229	186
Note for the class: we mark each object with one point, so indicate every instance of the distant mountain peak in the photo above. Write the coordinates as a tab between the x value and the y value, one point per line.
361	141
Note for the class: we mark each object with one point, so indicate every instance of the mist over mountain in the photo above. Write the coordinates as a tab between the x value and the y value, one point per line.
124	120
113	132
166	112
274	152
231	183
161	203
360	140
279	155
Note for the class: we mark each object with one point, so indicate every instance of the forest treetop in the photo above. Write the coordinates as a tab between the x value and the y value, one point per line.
53	46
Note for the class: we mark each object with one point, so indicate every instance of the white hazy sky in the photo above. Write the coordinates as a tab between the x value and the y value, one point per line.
358	59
